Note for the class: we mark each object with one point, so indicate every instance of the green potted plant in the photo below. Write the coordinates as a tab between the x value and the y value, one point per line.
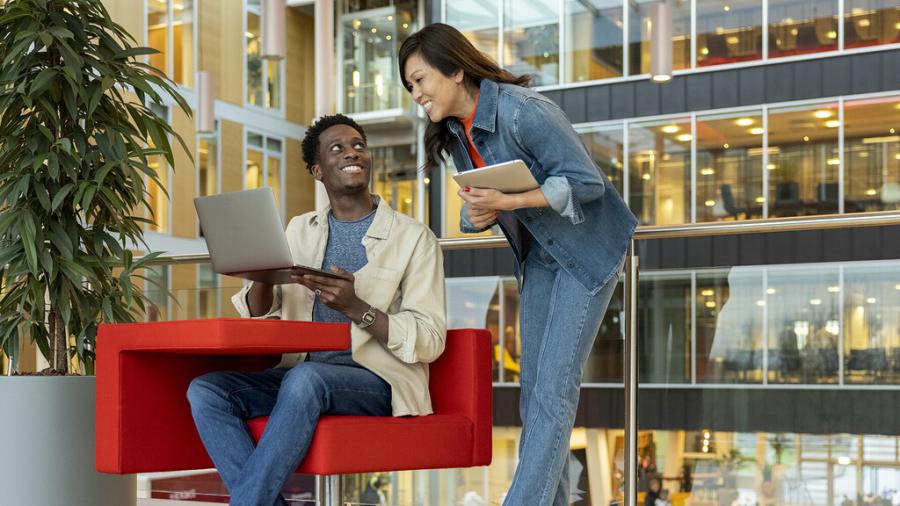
76	132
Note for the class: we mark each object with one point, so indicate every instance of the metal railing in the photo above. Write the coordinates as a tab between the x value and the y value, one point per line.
792	224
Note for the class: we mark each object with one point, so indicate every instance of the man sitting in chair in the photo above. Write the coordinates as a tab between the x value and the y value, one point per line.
391	290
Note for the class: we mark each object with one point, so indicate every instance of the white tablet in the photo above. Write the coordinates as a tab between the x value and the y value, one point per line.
507	177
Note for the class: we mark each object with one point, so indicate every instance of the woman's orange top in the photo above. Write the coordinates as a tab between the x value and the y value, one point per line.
477	161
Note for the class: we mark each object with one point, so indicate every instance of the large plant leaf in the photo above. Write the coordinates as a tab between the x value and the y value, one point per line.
74	168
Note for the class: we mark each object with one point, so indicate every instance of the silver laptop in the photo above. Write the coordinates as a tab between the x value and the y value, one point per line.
246	238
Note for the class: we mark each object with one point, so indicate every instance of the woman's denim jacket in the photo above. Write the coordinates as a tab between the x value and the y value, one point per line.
588	227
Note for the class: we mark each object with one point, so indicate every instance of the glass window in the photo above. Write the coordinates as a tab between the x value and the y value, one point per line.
604	363
606	146
664	327
369	62
394	177
872	323
869	22
659	171
263	167
183	42
729	166
157	33
531	40
593	45
478	21
263	76
872	154
639	35
803	323
728	32
802	27
208	165
159	200
803	160
729	311
170	24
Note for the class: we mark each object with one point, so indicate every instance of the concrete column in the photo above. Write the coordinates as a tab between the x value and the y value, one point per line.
325	71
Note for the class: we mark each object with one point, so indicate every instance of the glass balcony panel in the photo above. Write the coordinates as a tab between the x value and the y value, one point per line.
729	167
728	32
664	327
475	303
872	154
639	35
871	22
730	322
531	40
659	171
593	45
803	160
802	27
803	315
872	323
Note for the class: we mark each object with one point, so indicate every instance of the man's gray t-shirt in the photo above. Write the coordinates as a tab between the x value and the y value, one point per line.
344	250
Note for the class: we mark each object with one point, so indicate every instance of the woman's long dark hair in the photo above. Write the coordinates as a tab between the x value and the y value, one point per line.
446	49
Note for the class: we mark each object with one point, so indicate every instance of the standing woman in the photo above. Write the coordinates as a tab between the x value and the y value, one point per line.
569	236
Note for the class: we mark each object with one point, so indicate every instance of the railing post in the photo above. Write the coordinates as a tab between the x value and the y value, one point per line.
328	490
631	377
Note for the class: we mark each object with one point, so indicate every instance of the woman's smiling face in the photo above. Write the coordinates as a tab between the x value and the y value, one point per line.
439	95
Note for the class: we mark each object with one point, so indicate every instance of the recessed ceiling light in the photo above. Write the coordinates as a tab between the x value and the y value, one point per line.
684	137
670	129
823	114
744	122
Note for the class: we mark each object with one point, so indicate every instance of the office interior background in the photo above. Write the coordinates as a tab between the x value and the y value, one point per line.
769	364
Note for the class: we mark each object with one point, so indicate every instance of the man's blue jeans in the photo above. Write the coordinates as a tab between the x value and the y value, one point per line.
559	319
293	398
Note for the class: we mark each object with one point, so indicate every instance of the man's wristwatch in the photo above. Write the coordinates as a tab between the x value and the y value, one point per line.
368	318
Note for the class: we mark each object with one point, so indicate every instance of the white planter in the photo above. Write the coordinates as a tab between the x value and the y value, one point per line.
47	445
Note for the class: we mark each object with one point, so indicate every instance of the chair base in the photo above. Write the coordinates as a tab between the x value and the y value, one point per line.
329	491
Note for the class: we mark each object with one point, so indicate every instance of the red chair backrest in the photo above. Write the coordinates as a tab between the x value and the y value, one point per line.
461	384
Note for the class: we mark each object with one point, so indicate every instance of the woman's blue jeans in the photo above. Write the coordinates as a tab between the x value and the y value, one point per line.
560	320
293	398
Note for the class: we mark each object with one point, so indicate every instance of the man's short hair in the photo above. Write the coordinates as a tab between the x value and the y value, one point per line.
311	140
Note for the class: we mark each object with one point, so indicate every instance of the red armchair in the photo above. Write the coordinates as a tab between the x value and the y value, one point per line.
144	422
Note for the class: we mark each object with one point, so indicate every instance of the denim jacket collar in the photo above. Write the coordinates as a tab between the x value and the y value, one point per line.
485	111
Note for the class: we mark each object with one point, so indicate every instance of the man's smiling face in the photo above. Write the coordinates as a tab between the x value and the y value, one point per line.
344	161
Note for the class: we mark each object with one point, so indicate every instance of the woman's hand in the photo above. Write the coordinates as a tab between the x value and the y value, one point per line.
338	294
485	198
481	218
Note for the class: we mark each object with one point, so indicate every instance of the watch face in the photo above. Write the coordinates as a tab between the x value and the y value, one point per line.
368	318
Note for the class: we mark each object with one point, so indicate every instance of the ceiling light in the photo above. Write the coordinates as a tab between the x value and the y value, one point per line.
744	122
387	37
823	114
794	31
831	34
710	203
833	161
757	131
871	300
864	23
771	291
684	137
707	171
805	138
726	8
732	39
670	129
834	289
726	146
646	177
405	25
760	303
710	304
427	180
832	123
374	30
704	51
871	192
771	166
760	200
815	302
843	461
708	292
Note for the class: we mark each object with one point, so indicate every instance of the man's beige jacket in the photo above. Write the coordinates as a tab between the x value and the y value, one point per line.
404	277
